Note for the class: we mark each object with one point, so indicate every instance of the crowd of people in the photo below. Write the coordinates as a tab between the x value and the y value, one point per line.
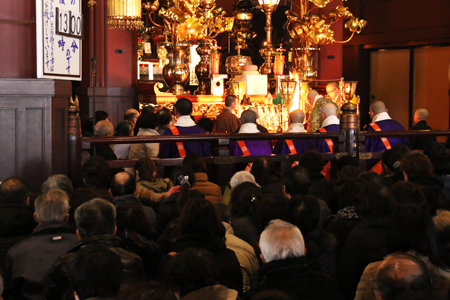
136	234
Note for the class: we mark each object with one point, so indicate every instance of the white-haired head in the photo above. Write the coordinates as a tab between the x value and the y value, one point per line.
240	177
420	115
281	240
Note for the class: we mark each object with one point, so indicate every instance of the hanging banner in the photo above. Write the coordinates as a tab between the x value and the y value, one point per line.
59	32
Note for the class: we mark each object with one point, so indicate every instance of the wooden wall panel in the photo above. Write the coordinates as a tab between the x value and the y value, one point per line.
8	139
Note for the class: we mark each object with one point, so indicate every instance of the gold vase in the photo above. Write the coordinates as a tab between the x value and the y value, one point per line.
203	68
176	72
305	63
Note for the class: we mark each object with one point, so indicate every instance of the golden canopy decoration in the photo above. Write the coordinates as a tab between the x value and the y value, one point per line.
313	30
124	14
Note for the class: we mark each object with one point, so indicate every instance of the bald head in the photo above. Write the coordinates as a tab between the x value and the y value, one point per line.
378	107
297	116
311	96
248	116
328	109
333	90
401	274
255	110
122	184
420	115
104	128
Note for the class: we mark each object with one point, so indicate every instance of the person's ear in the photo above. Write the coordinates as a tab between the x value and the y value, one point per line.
35	218
262	258
80	237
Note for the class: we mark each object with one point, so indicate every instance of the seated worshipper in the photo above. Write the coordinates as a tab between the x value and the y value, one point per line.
16	216
366	243
193	275
123	188
267	176
164	119
211	190
207	124
244	252
238	178
150	190
28	262
245	207
146	110
201	228
226	120
96	225
442	222
304	212
418	169
259	126
100	115
132	116
317	101
420	118
183	179
95	273
124	128
104	129
247	148
390	161
96	174
285	266
184	125
58	181
381	121
139	236
412	231
330	123
294	146
404	192
148	127
78	197
402	276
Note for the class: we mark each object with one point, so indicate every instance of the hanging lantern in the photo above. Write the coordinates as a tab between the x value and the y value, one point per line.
124	14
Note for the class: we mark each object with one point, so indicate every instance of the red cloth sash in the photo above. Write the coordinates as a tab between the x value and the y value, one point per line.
180	145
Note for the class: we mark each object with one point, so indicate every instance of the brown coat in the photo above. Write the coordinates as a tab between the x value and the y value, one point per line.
227	121
211	190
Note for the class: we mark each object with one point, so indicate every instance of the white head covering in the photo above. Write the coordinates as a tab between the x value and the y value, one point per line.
240	177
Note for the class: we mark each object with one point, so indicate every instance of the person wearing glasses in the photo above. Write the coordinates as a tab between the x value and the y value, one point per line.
333	92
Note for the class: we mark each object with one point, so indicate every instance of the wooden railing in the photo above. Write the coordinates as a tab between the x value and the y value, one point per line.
221	156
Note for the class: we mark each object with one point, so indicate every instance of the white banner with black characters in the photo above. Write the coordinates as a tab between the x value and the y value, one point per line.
59	35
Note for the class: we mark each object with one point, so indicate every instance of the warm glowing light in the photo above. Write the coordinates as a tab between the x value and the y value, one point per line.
295	103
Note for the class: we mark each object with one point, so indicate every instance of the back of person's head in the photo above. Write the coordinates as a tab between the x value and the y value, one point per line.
296	181
131	217
124	128
441	163
271	295
433	149
100	115
442	222
200	218
148	121
350	191
422	113
164	116
240	177
402	276
371	177
58	181
245	199
147	290
411	228
378	107
229	100
78	197
248	116
348	172
312	94
207	124
402	148
391	159
224	211
190	270
346	160
183	107
183	176
52	206
96	172
14	190
123	183
96	272
145	169
273	206
373	200
196	162
281	240
404	192
416	165
104	128
95	217
312	161
304	212
130	114
328	109
149	109
297	116
263	169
